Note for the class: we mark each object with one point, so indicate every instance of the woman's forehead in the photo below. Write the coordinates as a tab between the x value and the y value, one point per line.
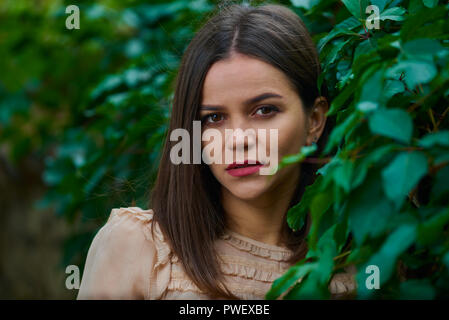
242	77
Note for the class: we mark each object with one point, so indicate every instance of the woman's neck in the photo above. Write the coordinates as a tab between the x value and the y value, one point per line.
261	219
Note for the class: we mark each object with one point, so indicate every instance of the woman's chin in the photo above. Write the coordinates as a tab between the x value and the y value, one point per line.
247	191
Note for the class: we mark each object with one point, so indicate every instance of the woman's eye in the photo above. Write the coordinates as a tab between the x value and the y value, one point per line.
213	118
266	110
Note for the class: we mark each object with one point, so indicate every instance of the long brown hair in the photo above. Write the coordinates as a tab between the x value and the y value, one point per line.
186	198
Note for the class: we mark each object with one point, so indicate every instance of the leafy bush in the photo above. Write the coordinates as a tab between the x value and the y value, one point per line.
386	189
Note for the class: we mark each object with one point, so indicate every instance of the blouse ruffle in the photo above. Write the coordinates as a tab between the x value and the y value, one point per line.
249	272
167	274
257	248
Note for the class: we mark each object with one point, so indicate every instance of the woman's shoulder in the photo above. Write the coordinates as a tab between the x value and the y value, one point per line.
126	249
133	213
133	224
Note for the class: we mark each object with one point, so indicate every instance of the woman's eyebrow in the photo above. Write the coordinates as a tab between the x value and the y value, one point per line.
250	101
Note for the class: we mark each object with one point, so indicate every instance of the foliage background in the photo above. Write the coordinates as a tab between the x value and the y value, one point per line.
83	114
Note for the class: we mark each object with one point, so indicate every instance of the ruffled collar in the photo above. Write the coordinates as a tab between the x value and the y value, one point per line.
256	247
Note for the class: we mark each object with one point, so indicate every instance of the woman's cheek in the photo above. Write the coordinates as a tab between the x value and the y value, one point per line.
291	136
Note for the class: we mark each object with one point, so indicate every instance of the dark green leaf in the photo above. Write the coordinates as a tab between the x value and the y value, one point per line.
441	181
430	230
297	158
338	133
440	138
385	259
292	275
430	3
415	72
423	49
369	210
417	289
371	93
342	28
402	175
318	207
297	214
356	7
392	123
395	14
343	175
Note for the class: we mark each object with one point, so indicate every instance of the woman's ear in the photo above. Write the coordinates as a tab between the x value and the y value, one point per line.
317	119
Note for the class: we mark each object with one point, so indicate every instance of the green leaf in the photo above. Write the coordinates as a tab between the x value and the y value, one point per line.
392	123
297	158
417	289
430	3
441	182
95	179
306	4
423	49
371	92
431	229
356	7
369	210
385	259
367	161
343	174
391	88
395	14
297	214
334	53
326	249
289	278
342	28
341	231
338	102
446	260
413	26
380	4
416	72
402	174
440	138
314	286
319	205
339	132
117	99
415	6
110	83
309	288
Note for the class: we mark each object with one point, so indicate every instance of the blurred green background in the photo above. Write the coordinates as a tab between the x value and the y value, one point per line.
83	114
82	117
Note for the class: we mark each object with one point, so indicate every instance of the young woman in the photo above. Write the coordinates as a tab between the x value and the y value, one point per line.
219	230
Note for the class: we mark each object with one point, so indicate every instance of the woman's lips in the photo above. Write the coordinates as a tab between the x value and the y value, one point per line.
243	169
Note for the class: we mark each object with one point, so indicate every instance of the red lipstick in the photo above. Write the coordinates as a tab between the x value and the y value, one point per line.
243	169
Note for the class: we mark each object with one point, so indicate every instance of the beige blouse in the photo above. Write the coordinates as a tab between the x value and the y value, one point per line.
125	261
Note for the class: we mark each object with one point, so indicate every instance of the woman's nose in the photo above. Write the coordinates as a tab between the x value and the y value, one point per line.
241	136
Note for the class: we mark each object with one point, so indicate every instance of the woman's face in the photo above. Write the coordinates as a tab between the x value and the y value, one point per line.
229	85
